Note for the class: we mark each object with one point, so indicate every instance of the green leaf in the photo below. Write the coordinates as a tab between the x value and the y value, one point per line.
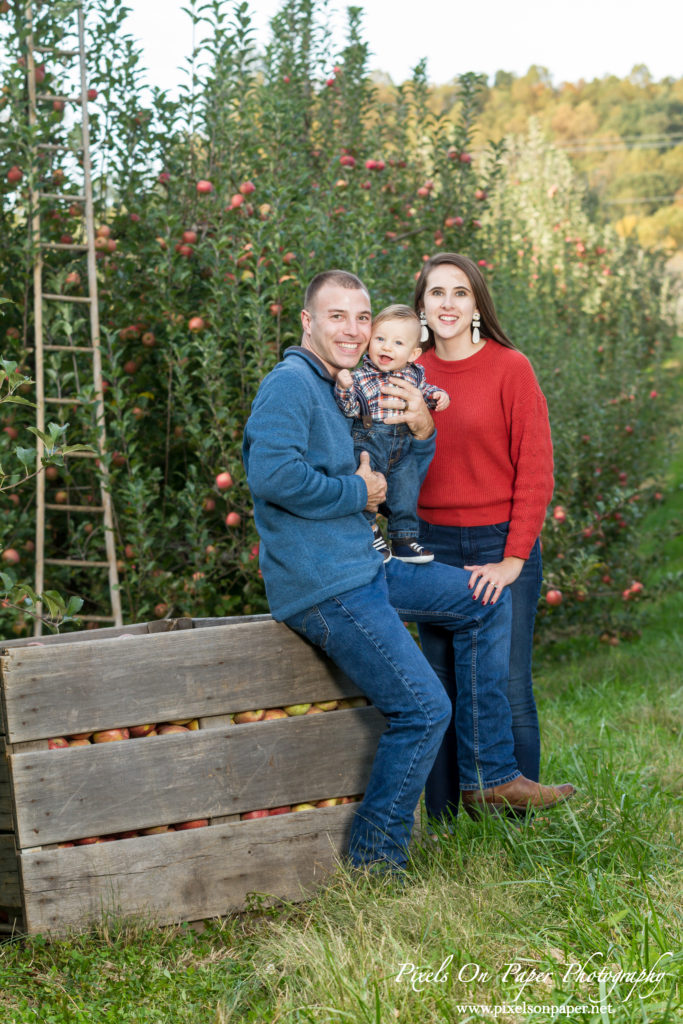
27	456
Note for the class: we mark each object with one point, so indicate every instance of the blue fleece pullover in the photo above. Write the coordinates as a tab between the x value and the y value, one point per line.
308	501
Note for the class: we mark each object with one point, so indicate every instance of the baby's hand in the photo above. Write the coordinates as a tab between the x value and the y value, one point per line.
442	401
345	380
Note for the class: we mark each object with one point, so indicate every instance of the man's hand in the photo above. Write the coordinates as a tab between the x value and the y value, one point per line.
375	483
345	380
405	404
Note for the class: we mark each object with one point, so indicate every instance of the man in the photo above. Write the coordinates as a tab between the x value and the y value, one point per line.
326	581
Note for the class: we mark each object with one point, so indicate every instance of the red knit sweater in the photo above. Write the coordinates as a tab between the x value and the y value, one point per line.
494	456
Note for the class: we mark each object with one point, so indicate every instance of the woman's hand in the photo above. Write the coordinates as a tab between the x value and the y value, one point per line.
406	405
489	580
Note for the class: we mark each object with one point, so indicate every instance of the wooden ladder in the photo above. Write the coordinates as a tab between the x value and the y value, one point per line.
66	360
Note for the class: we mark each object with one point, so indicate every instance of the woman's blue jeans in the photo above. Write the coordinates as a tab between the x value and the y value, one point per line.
362	631
477	545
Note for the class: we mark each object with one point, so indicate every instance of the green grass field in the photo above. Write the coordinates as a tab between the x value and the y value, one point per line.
577	908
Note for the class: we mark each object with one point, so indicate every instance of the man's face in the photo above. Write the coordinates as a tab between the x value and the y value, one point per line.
337	326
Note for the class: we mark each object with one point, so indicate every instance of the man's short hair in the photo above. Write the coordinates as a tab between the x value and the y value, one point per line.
342	278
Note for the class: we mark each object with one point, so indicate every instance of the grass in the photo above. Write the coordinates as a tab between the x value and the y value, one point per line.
520	909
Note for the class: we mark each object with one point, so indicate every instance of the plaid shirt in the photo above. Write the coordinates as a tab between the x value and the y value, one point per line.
364	397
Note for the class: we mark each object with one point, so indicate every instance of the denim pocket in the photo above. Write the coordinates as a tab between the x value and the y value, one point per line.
312	625
500	529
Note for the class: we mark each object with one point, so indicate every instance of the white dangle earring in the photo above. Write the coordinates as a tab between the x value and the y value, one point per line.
476	321
424	333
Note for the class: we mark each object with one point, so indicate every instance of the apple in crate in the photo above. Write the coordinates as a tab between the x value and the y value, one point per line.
80	736
141	730
155	830
110	735
132	834
248	815
166	730
296	709
89	841
303	807
57	743
79	743
315	710
197	823
331	802
326	705
273	713
279	810
248	716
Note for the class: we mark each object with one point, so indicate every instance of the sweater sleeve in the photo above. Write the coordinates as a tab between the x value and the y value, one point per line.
275	455
347	400
531	453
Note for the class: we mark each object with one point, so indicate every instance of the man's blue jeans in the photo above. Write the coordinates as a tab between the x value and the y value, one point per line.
477	545
365	636
389	446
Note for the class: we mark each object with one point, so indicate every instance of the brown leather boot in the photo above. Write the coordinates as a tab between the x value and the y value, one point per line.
519	796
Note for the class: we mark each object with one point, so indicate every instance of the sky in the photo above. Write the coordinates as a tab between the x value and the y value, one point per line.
573	39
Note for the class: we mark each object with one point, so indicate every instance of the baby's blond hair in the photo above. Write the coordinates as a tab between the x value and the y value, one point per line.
397	312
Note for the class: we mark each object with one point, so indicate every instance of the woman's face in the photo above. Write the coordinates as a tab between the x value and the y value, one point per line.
448	303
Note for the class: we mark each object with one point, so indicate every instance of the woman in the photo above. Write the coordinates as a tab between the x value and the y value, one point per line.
485	496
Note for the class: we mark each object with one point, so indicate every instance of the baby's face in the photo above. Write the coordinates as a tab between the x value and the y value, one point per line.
394	343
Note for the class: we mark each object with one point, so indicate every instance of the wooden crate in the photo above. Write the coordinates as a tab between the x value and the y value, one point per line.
205	669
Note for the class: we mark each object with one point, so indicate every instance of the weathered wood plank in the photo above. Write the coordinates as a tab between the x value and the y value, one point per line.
179	876
82	687
79	636
112	787
10	889
220	721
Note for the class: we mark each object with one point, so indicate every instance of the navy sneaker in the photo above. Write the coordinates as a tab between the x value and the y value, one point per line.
379	544
410	551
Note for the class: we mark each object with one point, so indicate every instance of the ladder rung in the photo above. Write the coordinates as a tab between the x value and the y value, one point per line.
61	195
68	348
64	245
65	401
97	618
56	51
79	563
76	508
66	298
48	97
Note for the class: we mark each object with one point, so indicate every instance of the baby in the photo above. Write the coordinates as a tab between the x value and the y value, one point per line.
394	345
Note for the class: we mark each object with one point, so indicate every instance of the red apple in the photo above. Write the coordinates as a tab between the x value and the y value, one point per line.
289	257
279	810
315	710
248	716
141	730
57	743
148	339
11	557
110	735
171	730
92	94
248	815
88	841
554	597
160	610
232	519
247	187
15	174
223	481
275	308
559	513
204	187
465	158
190	237
197	823
155	830
79	743
274	713
330	802
195	323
